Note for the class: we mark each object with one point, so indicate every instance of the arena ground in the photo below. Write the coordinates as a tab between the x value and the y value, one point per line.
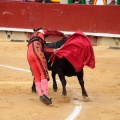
17	102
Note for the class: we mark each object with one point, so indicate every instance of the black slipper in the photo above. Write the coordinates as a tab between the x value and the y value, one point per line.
45	100
48	100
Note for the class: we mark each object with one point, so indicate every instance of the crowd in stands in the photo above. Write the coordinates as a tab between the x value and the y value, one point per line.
101	2
109	2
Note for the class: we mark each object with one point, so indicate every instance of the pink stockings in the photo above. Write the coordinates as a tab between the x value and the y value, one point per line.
43	85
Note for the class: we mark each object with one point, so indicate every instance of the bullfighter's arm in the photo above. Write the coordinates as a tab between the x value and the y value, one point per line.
49	50
53	32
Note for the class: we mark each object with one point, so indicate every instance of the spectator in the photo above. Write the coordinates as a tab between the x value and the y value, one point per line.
87	2
113	2
77	1
43	1
99	2
23	0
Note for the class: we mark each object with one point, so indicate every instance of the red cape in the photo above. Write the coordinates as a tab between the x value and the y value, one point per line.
78	51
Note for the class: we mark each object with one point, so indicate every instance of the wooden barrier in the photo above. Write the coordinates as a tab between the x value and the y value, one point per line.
100	23
65	17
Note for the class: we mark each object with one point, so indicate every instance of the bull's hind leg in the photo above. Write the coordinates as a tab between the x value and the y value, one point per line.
81	81
33	87
55	88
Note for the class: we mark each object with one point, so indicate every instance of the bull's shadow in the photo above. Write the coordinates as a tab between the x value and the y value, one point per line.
63	68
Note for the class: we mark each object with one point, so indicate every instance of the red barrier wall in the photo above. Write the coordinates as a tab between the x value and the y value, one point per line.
65	17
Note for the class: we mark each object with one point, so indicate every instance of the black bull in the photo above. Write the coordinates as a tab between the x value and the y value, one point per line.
63	68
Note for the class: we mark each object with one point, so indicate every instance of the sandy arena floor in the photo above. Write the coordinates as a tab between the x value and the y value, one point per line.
17	102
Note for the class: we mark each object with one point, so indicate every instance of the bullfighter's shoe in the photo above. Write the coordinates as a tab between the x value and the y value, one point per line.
48	100
44	99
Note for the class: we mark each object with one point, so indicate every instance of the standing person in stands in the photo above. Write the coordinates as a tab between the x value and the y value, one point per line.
23	0
44	1
113	2
100	2
37	61
77	1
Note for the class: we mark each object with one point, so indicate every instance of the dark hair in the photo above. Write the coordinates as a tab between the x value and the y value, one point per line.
37	29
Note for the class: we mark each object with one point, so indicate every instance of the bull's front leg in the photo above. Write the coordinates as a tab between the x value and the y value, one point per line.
55	88
63	81
81	81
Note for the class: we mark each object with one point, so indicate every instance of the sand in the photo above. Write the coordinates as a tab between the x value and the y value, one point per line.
17	102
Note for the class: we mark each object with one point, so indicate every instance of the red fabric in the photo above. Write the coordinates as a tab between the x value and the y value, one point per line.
78	51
